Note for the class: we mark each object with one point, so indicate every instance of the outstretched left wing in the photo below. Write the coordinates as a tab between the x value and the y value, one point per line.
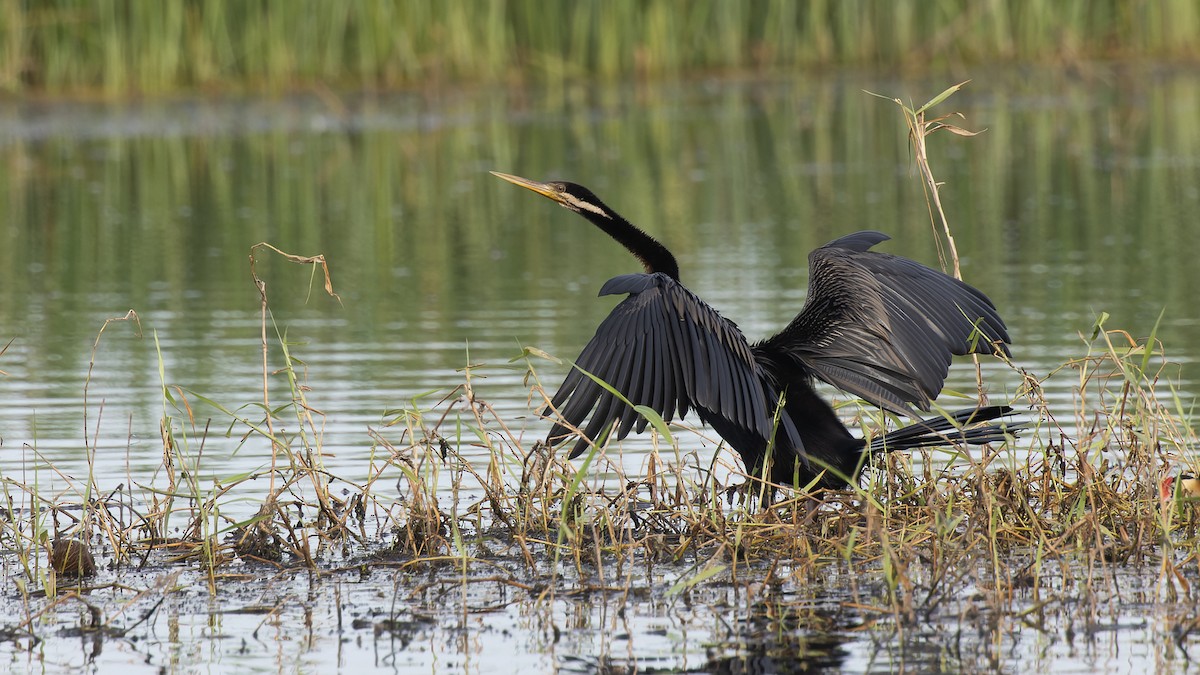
885	327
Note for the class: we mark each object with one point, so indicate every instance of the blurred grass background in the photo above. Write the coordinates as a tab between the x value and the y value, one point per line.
1098	183
119	47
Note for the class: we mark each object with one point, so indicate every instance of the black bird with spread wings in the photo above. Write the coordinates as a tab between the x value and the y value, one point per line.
876	325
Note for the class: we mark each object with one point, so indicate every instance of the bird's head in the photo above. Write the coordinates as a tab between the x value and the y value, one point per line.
654	256
571	195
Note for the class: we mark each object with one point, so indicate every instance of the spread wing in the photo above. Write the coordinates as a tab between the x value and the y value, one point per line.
884	327
664	348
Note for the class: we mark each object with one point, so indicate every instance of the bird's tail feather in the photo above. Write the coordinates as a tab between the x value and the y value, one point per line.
948	430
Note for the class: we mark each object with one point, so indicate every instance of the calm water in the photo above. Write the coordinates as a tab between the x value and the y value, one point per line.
1080	198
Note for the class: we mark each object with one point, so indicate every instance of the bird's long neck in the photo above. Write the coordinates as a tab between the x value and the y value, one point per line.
654	256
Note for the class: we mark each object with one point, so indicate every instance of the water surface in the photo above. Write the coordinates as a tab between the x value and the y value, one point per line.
1079	198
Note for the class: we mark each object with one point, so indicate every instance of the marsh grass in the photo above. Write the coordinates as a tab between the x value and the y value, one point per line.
121	48
1035	526
1031	532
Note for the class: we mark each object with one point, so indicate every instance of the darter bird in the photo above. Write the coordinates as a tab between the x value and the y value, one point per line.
877	325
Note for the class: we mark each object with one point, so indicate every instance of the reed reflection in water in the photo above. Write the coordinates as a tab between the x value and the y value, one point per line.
1078	198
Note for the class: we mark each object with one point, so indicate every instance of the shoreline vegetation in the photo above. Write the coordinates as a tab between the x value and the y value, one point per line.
115	49
1036	527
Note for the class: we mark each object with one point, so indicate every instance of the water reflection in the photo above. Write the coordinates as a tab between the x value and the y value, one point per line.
1076	200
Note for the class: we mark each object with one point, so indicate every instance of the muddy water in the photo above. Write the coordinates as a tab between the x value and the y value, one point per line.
399	620
1078	199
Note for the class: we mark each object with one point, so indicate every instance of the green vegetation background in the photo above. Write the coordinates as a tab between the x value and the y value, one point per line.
117	47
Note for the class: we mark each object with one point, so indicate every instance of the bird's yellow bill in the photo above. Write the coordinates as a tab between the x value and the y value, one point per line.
543	189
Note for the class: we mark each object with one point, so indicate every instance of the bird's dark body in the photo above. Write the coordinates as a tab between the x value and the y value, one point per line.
877	325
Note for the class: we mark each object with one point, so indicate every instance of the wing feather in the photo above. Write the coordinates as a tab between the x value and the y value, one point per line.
664	348
884	327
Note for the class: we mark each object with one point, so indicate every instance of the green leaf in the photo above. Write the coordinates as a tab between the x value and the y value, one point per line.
649	413
689	582
1149	348
527	352
656	421
893	99
941	97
